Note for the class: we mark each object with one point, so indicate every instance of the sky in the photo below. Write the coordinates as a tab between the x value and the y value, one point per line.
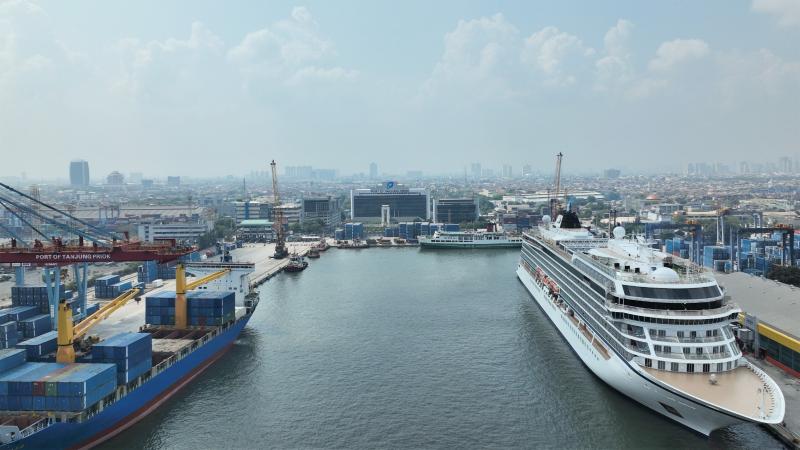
211	88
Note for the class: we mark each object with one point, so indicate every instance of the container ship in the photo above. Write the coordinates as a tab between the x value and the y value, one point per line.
653	326
59	391
489	238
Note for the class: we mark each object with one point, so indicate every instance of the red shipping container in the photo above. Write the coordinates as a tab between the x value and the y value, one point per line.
38	388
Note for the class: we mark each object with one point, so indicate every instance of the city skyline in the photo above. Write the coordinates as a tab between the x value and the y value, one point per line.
641	88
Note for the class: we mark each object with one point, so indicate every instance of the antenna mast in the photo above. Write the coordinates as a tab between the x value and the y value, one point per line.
277	216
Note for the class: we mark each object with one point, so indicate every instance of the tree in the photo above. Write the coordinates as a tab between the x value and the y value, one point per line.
788	275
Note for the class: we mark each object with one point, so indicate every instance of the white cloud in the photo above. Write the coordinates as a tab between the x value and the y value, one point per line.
786	11
678	51
293	50
555	54
615	68
758	74
478	53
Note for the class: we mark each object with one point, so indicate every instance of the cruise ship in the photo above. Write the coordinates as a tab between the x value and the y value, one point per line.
470	239
654	327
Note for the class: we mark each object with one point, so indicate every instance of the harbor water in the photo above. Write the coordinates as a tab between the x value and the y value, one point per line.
403	348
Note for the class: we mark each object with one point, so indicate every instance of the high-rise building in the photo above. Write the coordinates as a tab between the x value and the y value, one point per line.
373	171
611	174
508	171
527	170
456	210
174	181
325	207
476	170
115	179
404	204
79	173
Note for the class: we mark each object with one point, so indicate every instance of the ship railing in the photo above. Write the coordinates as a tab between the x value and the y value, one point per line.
39	425
693	356
619	307
687	340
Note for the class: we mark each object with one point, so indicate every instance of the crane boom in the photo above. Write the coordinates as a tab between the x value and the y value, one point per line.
68	334
277	216
181	316
554	201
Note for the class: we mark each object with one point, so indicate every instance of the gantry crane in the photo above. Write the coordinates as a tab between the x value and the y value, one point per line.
277	217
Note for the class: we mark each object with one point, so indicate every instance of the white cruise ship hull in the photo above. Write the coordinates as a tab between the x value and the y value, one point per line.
625	378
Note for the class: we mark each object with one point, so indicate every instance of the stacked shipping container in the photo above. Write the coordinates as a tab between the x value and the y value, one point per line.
55	387
204	308
132	353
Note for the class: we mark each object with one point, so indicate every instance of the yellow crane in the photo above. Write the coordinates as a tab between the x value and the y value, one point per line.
68	333
181	317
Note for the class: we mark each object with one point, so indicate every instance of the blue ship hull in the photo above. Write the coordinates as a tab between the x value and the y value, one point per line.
134	406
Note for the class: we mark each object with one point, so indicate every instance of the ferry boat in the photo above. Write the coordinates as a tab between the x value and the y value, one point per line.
654	327
489	238
178	357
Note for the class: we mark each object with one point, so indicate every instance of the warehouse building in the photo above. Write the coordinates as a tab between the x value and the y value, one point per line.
181	231
325	208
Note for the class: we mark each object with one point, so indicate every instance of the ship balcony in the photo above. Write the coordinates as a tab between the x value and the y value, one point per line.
745	391
724	337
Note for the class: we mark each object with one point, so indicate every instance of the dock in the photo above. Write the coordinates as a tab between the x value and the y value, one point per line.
777	307
261	255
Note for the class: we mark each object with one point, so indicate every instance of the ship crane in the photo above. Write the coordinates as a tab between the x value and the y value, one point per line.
554	201
277	215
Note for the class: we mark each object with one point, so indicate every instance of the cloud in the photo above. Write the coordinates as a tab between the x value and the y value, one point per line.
554	54
758	74
292	50
173	69
678	51
482	53
786	11
615	68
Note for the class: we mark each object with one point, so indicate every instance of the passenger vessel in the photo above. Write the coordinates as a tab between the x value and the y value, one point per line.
470	239
654	327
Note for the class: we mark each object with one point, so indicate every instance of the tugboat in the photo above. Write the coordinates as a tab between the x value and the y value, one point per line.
296	263
313	252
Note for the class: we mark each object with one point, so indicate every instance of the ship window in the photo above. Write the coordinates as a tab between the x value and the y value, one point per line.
693	334
672	293
667	349
690	368
662	333
728	365
706	368
680	334
671	410
719	367
657	348
648	362
674	367
699	350
686	350
662	365
709	333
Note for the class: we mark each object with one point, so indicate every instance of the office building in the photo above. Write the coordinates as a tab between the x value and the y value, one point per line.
79	173
292	212
174	181
325	208
475	169
373	171
251	210
456	210
611	174
115	179
255	230
181	231
405	204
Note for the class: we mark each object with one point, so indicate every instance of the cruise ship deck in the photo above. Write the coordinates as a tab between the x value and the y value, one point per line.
739	390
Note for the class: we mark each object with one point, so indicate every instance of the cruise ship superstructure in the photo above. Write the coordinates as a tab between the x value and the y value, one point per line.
654	327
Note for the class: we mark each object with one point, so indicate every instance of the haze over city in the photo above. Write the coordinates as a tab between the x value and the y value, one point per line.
208	89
